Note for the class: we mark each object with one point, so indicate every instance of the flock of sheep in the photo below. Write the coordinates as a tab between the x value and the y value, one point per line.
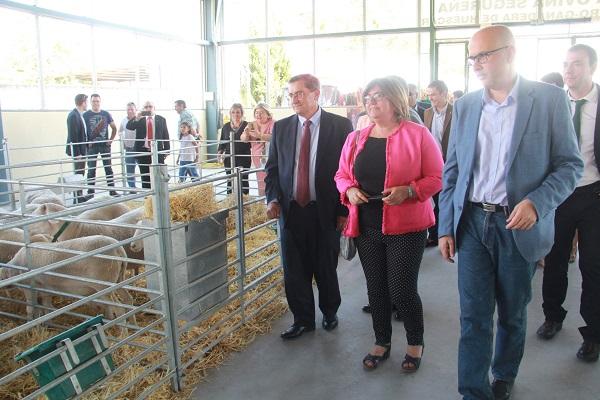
54	240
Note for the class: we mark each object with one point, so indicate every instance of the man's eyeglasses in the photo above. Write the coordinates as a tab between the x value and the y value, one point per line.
484	56
299	95
374	98
148	106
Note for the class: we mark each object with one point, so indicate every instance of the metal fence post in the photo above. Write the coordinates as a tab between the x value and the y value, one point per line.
123	164
241	245
10	187
162	220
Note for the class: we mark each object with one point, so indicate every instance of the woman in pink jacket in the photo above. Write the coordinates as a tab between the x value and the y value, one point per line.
258	134
387	174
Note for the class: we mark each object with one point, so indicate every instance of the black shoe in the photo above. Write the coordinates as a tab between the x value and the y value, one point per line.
548	329
371	361
113	193
501	389
83	199
295	331
589	351
330	324
367	309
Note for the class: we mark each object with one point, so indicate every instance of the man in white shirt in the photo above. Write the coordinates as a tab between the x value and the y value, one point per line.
128	138
580	211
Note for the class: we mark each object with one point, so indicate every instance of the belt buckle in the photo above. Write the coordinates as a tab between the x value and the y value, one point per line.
487	207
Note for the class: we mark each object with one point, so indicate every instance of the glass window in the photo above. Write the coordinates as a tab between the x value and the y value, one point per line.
393	55
340	68
550	55
492	12
383	14
66	61
244	74
452	12
19	64
288	18
75	7
338	16
451	65
555	10
287	59
116	57
243	19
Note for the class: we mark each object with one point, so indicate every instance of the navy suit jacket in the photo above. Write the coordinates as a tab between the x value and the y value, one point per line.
75	134
161	133
544	163
282	163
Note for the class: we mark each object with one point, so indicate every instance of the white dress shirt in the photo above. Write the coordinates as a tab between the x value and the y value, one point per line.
496	127
314	140
586	140
437	124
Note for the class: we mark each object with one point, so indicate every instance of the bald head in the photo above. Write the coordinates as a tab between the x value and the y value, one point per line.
492	54
495	36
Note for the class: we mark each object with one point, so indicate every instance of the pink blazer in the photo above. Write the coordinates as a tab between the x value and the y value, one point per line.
412	157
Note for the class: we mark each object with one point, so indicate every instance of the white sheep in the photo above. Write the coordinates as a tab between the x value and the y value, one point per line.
81	229
42	196
47	227
105	213
111	271
8	250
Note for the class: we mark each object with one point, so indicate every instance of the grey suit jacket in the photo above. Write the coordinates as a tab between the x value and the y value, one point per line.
544	163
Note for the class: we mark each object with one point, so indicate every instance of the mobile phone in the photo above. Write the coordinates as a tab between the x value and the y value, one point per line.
146	113
376	197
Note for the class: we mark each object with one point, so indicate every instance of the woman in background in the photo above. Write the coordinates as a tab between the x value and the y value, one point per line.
234	129
258	134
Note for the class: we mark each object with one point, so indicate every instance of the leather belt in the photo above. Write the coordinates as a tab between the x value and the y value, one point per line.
492	208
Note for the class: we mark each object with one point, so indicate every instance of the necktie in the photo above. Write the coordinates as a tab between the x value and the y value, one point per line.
149	129
577	118
302	188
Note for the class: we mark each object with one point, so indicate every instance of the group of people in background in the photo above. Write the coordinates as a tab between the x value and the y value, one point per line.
88	137
512	170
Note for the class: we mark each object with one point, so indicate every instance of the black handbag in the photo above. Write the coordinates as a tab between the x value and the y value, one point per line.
347	245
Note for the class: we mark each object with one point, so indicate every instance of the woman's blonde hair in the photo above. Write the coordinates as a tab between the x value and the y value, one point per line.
395	90
265	107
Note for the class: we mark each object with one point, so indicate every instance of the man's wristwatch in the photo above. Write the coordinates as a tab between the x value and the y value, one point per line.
411	192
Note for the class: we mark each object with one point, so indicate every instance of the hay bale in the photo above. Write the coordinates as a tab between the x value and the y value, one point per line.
189	204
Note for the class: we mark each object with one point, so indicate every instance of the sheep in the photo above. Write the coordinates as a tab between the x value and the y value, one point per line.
42	196
50	226
81	229
8	250
95	268
137	245
105	213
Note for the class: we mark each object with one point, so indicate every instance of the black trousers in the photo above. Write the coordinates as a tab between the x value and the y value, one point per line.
92	157
239	162
144	162
580	211
79	169
309	251
391	264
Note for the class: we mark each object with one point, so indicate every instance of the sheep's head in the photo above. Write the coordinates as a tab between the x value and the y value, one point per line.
138	244
47	227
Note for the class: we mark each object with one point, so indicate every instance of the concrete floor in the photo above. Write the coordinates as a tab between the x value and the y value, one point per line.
327	365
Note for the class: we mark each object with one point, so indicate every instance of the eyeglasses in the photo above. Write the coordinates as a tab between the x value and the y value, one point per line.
374	98
484	56
299	95
148	106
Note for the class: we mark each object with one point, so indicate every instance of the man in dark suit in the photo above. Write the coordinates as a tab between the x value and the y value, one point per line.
512	159
76	138
149	127
437	120
303	159
580	211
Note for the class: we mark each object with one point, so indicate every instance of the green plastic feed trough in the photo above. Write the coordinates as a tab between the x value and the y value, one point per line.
74	355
